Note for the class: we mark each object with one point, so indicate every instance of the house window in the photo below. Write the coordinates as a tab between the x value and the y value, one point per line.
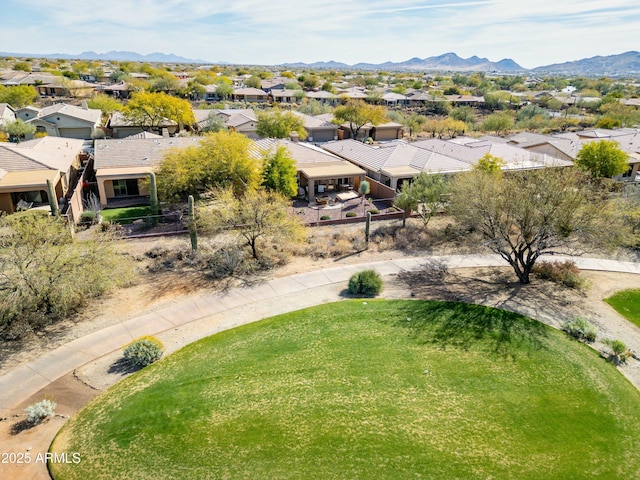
36	197
125	188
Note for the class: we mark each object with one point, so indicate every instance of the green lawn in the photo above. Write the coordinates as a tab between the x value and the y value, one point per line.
366	390
627	304
125	215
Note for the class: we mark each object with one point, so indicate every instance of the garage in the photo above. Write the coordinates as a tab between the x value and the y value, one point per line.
82	133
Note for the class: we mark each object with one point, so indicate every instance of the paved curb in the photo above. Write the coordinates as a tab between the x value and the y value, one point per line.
206	314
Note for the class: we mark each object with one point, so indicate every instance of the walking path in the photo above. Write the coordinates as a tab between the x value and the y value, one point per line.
202	315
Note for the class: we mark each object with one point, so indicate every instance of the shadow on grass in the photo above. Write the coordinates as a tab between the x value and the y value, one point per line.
467	326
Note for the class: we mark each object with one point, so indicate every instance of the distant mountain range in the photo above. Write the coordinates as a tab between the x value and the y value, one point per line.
155	57
627	63
446	62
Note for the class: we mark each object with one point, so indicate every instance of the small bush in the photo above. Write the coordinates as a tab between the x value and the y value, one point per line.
143	351
351	214
581	329
563	273
40	410
105	226
325	217
88	216
367	282
373	211
619	351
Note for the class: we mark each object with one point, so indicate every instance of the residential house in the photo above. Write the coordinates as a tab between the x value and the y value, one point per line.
324	97
7	114
250	95
25	168
117	90
392	99
286	96
122	166
241	120
318	129
319	171
63	120
119	127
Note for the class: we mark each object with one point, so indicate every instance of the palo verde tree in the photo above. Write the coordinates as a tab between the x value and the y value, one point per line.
150	110
279	124
425	194
46	275
17	130
357	114
18	96
221	159
602	159
257	215
523	215
279	172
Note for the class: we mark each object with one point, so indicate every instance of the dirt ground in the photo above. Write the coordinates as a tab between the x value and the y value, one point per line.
495	287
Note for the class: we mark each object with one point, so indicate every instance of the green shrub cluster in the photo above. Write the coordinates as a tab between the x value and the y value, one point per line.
367	282
325	217
143	351
581	329
563	273
619	351
40	410
374	211
351	214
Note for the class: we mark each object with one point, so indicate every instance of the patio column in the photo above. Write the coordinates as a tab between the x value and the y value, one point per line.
312	190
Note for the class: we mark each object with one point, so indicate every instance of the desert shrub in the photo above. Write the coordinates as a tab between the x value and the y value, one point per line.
367	282
40	410
325	217
563	273
88	216
351	214
105	226
373	211
581	329
143	351
228	261
619	351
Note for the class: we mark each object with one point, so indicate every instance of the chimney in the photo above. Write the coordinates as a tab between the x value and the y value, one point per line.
295	137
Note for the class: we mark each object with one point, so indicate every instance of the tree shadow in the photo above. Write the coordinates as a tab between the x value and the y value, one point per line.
123	367
22	425
465	326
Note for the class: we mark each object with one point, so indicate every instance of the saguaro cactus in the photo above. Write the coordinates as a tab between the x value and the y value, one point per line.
53	201
366	227
193	234
153	193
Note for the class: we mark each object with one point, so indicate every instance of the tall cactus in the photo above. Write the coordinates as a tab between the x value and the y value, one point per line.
366	228
153	193
193	234
53	201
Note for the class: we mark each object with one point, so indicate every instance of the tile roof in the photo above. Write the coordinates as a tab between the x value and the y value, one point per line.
91	115
51	153
137	152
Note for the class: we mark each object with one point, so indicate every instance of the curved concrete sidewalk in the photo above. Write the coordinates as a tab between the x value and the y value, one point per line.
199	316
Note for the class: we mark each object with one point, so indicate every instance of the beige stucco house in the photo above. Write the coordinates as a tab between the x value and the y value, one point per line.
25	168
63	120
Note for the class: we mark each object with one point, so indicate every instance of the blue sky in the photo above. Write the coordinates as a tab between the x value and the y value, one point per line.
532	33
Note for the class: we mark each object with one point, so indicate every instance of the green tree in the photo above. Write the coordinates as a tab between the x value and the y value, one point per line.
498	122
526	214
602	159
357	114
221	160
279	172
224	90
489	164
18	96
106	104
279	124
151	110
40	268
257	215
425	194
17	130
254	82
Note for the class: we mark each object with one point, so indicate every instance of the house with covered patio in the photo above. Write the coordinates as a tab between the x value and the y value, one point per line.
320	173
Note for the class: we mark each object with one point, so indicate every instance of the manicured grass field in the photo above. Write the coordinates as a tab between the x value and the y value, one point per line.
627	304
366	390
124	215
